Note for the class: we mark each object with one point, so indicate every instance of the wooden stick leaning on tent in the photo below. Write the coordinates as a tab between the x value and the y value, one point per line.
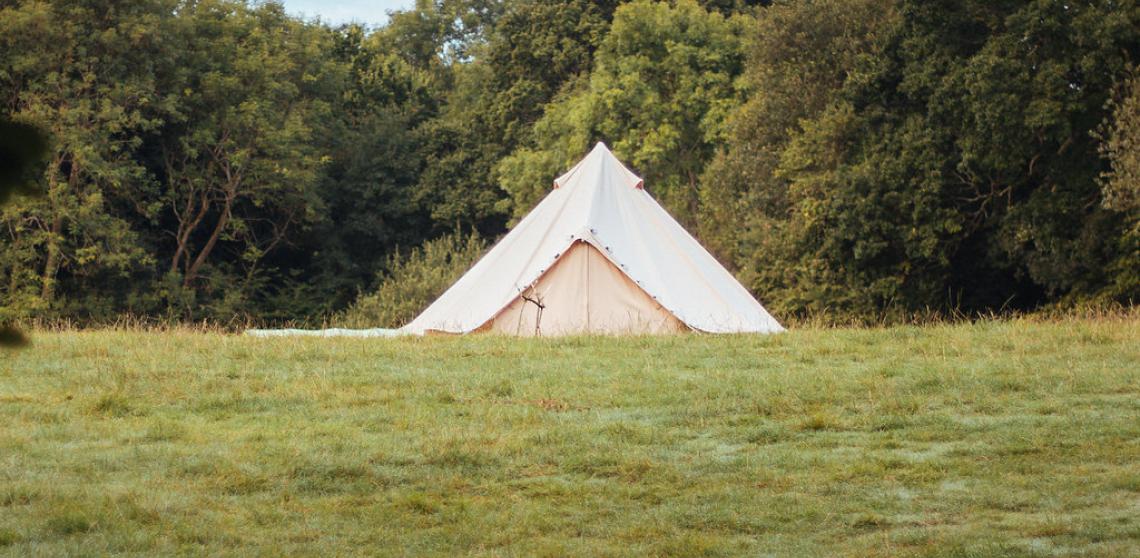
537	301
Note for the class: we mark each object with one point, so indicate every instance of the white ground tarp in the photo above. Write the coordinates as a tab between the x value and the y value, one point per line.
335	332
601	203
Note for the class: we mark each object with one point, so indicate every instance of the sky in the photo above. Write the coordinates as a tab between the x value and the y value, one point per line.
372	12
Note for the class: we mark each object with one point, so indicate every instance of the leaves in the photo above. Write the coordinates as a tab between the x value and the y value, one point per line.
661	91
934	156
221	159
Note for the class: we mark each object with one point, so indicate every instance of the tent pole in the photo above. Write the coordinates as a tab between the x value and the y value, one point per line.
588	258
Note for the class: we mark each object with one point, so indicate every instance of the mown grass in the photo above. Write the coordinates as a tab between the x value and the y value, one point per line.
1010	438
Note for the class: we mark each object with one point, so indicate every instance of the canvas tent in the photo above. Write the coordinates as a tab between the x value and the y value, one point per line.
597	255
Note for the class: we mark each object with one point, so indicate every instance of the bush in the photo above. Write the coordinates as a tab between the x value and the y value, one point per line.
413	281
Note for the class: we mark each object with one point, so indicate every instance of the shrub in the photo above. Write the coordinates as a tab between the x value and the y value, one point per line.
414	280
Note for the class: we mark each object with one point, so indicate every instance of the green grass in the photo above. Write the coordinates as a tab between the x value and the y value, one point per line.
1010	438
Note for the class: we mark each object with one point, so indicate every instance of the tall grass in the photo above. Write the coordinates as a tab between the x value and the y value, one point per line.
1014	437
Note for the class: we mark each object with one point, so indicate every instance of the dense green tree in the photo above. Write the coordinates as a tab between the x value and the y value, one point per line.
662	88
530	53
221	159
952	166
239	158
414	279
81	70
729	7
1120	185
368	186
440	32
800	56
1121	146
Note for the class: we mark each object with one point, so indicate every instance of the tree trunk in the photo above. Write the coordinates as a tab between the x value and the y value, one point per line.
223	220
51	264
185	229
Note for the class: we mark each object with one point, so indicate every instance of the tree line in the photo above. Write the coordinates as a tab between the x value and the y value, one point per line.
218	158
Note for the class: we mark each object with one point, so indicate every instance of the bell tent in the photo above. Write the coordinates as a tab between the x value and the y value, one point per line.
597	255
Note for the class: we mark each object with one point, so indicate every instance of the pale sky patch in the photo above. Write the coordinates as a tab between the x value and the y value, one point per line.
369	12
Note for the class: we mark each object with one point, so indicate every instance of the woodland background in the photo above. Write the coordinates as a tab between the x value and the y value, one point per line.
221	160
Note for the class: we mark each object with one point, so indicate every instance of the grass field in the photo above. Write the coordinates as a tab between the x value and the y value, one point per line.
1008	438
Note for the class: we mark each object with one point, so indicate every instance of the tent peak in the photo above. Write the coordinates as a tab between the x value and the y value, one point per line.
600	165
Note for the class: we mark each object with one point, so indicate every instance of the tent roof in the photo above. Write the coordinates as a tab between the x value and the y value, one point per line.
602	202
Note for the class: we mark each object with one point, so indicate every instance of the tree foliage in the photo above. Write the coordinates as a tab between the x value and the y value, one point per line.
239	156
221	159
662	88
84	74
1120	136
413	280
944	158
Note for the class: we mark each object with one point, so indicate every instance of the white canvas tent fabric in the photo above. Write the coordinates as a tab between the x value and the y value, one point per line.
333	332
670	281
